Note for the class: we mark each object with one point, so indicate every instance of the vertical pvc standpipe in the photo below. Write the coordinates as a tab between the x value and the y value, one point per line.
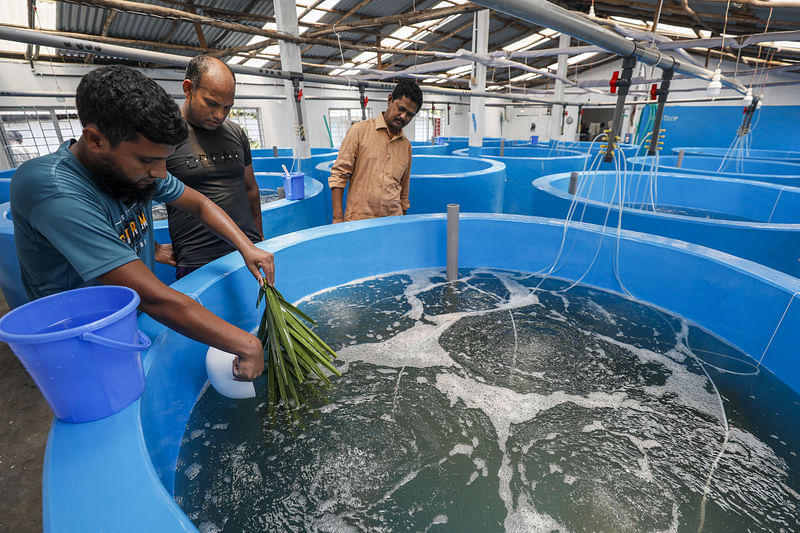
679	164
452	241
573	182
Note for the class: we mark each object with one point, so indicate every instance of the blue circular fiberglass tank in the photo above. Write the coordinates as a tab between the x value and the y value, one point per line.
778	172
308	166
475	184
629	150
523	165
458	143
5	184
289	152
276	164
787	156
426	148
10	276
755	220
117	474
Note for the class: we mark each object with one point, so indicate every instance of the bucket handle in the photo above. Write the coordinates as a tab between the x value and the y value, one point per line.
97	339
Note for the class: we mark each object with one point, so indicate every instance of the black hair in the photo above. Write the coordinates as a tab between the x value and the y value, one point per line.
199	65
14	135
410	89
123	103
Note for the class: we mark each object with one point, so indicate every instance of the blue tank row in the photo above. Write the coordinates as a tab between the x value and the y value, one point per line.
489	183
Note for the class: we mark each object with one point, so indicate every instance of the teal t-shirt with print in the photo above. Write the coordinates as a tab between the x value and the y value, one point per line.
68	232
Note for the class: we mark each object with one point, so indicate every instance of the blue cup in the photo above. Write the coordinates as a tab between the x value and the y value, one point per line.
294	185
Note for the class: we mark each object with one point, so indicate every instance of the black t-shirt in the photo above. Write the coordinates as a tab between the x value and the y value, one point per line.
212	162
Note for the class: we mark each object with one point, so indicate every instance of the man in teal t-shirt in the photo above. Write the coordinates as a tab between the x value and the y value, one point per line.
82	214
100	233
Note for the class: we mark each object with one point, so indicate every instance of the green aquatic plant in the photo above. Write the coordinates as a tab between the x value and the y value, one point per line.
294	353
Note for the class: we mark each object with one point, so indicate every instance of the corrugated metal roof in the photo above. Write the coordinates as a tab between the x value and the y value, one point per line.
90	20
504	29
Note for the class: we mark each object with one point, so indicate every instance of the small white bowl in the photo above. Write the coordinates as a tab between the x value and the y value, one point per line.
219	366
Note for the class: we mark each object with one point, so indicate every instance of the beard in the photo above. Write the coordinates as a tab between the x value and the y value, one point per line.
108	180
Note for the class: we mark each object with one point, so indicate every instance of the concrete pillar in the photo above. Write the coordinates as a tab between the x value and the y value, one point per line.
477	106
286	19
558	110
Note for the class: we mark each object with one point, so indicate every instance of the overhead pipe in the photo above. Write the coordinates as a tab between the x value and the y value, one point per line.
22	35
544	13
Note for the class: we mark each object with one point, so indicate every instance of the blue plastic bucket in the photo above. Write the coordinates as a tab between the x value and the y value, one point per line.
294	185
81	347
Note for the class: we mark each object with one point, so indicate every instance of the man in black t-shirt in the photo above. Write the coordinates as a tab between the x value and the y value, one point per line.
215	160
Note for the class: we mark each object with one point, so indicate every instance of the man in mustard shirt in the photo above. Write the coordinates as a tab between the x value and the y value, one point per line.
375	159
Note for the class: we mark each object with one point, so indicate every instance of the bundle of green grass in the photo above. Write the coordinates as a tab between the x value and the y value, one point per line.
295	354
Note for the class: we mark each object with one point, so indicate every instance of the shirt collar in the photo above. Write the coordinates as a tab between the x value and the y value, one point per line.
381	123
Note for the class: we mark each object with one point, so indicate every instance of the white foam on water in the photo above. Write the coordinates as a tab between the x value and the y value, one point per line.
220	426
418	347
505	407
789	491
209	527
420	282
439	519
192	470
674	523
609	318
462	449
525	519
406	479
333	523
196	434
689	388
480	464
596	425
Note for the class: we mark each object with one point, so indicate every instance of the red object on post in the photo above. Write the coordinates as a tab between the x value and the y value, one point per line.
299	94
613	82
653	91
366	99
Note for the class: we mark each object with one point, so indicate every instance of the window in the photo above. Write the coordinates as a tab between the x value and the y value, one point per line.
341	120
249	118
28	132
428	124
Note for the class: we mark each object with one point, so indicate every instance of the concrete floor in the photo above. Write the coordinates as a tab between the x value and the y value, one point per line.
25	420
